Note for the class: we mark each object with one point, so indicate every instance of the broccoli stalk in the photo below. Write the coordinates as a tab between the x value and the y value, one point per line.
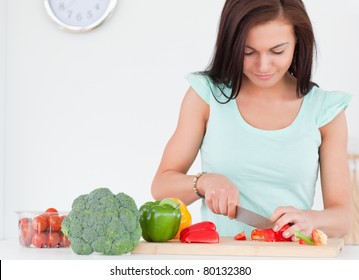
103	222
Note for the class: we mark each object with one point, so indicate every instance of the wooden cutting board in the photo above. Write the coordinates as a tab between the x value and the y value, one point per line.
230	247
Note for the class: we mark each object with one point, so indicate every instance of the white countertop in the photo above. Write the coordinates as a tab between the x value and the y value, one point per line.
10	249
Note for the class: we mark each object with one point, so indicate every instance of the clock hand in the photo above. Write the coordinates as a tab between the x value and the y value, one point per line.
69	5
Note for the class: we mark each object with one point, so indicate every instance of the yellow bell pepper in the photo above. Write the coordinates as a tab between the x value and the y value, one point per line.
186	219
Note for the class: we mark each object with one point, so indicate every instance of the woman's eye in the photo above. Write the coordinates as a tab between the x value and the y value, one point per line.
248	53
277	52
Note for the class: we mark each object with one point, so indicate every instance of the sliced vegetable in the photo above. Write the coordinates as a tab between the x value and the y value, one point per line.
269	235
301	242
240	236
306	239
279	234
257	234
202	232
319	237
200	236
199	226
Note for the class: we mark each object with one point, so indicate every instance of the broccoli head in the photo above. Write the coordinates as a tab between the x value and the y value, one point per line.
103	222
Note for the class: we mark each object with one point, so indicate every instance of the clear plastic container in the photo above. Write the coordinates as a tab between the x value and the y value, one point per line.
42	229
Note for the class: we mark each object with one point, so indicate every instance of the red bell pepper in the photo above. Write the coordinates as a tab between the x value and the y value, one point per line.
280	236
203	232
257	234
240	236
199	226
200	236
269	235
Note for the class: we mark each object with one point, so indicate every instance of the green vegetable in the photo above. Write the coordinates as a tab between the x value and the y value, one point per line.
306	239
103	222
160	220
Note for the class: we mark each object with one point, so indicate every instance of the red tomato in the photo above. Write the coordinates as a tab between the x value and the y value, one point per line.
64	241
63	217
53	239
39	223
240	236
26	232
24	223
51	211
39	240
48	213
54	223
25	237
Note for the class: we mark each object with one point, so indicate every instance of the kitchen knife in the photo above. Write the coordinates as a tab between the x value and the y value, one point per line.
253	219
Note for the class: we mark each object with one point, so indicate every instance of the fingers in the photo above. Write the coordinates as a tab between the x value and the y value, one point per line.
298	220
282	216
280	211
232	209
223	202
217	201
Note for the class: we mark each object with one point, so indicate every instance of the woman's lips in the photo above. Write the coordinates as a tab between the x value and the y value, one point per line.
264	76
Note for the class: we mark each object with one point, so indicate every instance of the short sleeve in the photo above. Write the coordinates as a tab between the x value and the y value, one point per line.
201	85
333	103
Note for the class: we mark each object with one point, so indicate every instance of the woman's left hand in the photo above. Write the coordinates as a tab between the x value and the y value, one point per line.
300	220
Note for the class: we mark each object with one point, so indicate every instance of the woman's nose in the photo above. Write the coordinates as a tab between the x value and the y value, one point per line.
264	63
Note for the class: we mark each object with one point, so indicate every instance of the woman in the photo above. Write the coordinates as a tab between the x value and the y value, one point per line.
263	128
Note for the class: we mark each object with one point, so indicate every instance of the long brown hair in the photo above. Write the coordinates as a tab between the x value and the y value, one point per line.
238	17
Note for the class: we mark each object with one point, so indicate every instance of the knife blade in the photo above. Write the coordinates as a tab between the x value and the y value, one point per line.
253	219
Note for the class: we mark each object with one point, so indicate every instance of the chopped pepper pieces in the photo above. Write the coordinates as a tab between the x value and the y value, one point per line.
318	238
304	239
200	236
240	236
199	226
269	235
203	232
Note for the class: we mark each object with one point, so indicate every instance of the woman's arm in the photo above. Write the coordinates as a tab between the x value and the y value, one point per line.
335	178
181	151
335	219
171	180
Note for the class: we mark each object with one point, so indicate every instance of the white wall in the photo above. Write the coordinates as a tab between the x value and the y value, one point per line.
2	114
336	26
96	109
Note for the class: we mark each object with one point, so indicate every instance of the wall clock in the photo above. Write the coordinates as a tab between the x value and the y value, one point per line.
79	15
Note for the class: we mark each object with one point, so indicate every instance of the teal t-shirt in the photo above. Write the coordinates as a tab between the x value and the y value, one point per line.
271	168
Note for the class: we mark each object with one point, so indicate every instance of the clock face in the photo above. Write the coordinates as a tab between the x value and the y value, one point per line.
79	15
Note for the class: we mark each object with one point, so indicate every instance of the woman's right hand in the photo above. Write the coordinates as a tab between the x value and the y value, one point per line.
221	195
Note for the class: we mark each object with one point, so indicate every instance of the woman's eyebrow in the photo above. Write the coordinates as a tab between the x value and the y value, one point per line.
276	46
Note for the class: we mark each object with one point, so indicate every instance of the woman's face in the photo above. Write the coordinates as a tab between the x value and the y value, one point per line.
269	53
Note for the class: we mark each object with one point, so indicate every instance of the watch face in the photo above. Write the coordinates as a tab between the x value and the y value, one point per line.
79	15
